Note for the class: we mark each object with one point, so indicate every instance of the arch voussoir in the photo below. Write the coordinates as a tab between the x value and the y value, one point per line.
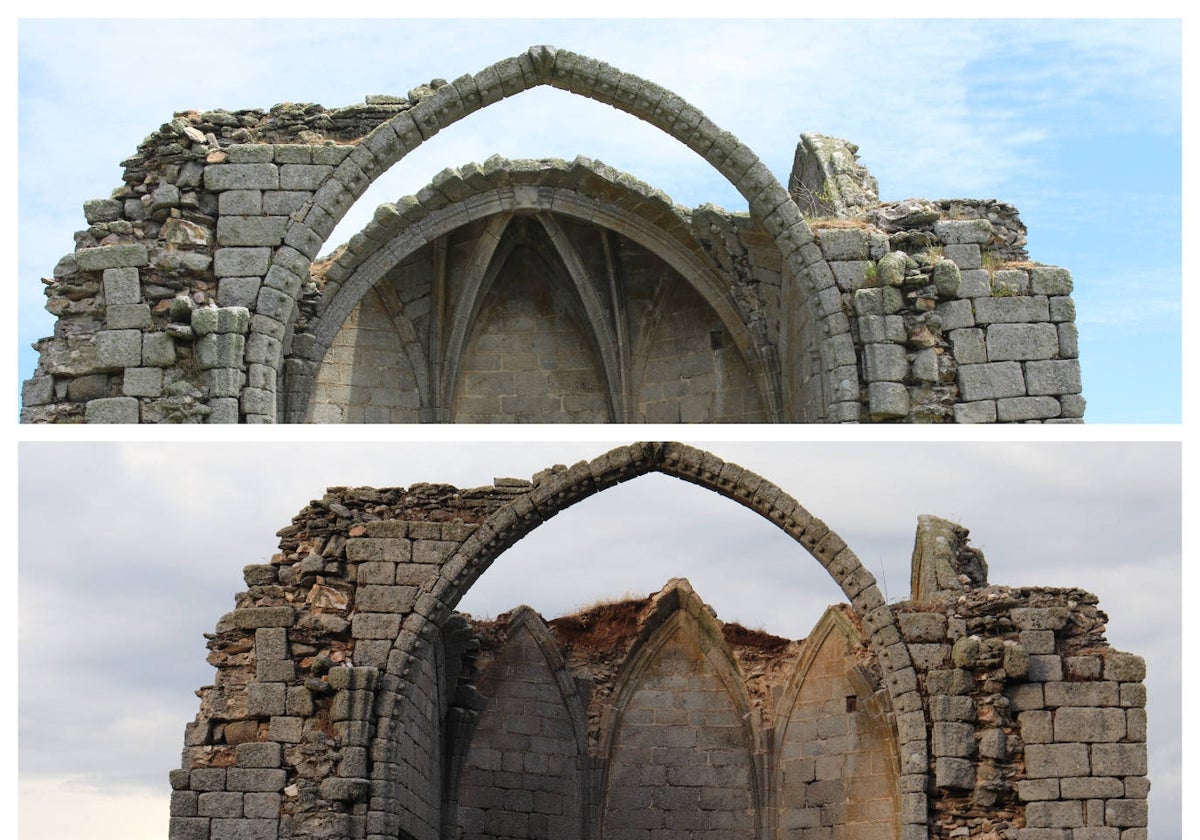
384	143
574	72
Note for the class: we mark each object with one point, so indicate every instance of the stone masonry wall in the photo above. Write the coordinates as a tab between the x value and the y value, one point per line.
680	764
524	764
837	753
680	714
1035	720
367	376
193	295
350	701
951	321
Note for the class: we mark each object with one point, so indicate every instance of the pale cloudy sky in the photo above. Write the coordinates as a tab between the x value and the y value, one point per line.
1078	123
129	552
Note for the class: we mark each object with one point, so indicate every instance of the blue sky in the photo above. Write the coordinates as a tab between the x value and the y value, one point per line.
1077	123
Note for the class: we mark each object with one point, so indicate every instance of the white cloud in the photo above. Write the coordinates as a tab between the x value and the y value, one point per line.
63	807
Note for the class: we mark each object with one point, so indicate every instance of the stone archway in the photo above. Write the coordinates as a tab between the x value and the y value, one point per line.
193	296
462	564
341	668
307	230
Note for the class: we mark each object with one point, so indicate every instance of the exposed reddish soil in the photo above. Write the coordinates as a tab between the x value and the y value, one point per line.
604	627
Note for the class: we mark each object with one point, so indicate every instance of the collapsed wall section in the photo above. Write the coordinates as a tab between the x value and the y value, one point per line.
1035	721
951	321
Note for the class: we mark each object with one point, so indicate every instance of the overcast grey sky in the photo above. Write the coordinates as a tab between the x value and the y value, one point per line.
129	552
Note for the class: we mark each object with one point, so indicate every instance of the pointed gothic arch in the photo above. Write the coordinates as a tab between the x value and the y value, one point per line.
840	755
343	663
528	680
560	488
681	656
807	274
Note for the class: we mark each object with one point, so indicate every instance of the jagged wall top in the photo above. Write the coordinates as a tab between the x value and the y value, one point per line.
215	220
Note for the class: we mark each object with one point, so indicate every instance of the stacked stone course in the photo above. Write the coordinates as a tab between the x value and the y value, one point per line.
351	701
195	294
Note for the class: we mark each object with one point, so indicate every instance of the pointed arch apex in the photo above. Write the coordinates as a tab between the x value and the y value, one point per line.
543	57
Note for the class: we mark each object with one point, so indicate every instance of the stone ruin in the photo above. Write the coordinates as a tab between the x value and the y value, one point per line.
537	291
352	701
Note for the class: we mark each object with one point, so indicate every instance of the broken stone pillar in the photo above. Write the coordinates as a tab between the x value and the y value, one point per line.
942	561
828	180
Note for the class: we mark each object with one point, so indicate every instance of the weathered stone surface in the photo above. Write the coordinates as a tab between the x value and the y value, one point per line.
250	230
1045	668
888	400
885	363
991	381
953	739
1053	377
1020	409
112	410
1016	661
963	232
1119	760
1049	280
955	773
1089	725
922	627
1124	667
983	411
129	316
1056	760
891	268
233	208
956	315
964	256
947	279
253	617
241	262
121	285
158	350
143	382
111	256
248	176
1020	342
116	349
1012	310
